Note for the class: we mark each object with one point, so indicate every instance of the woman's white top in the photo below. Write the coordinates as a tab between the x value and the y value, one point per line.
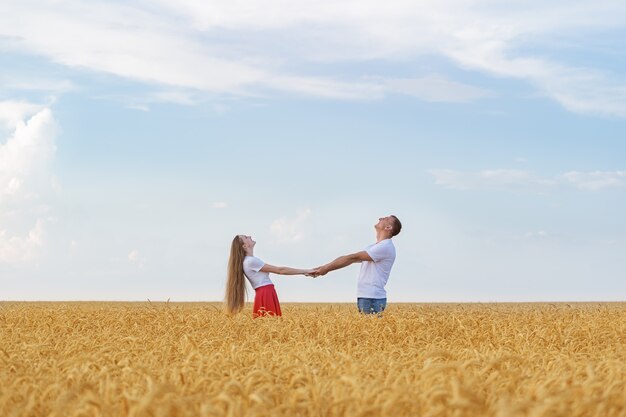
252	269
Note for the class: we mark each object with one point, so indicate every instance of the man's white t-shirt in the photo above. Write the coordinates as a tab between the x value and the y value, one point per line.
252	269
374	275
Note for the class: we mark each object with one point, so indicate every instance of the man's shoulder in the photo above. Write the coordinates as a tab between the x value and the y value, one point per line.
382	250
386	243
387	247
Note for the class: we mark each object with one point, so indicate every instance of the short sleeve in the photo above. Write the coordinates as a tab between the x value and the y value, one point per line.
255	263
379	252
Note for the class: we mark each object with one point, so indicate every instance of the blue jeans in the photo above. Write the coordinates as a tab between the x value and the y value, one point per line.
371	305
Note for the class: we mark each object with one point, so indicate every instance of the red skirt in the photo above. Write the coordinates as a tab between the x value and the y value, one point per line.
266	302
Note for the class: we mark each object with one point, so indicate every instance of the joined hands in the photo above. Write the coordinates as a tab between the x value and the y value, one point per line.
317	272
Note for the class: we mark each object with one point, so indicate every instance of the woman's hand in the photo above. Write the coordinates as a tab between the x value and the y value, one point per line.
311	272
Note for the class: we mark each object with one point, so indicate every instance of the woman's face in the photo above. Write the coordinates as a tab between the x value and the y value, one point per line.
247	241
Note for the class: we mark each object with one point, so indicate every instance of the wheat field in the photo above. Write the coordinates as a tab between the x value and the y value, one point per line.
190	359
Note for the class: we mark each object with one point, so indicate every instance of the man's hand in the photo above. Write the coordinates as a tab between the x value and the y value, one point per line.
314	273
320	271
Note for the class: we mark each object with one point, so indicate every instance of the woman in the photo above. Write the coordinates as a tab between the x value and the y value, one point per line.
242	263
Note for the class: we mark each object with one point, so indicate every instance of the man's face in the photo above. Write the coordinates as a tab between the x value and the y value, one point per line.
384	223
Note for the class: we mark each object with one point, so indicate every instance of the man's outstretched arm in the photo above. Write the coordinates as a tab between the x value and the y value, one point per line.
342	262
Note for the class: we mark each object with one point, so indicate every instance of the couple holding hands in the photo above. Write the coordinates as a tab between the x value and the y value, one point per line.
376	262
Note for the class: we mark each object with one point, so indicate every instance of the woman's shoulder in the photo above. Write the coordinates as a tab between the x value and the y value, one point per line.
248	260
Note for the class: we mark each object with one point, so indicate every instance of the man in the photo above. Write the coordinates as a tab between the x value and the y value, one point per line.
376	262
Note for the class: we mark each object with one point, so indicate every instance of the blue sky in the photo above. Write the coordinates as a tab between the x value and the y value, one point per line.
137	138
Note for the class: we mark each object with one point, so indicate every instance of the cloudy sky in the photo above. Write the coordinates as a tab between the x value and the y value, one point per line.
137	138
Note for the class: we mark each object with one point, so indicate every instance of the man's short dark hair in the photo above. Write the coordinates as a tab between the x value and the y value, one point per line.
397	226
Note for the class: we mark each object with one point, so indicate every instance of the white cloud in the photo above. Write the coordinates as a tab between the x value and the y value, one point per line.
14	112
21	248
25	178
433	87
496	178
326	88
436	88
291	229
123	41
536	235
581	90
512	179
25	156
247	48
135	258
34	82
220	205
596	180
140	107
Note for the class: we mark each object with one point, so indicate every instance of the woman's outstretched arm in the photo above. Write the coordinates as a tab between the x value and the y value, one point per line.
285	270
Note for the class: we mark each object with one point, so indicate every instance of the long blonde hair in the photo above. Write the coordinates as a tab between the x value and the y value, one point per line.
235	281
